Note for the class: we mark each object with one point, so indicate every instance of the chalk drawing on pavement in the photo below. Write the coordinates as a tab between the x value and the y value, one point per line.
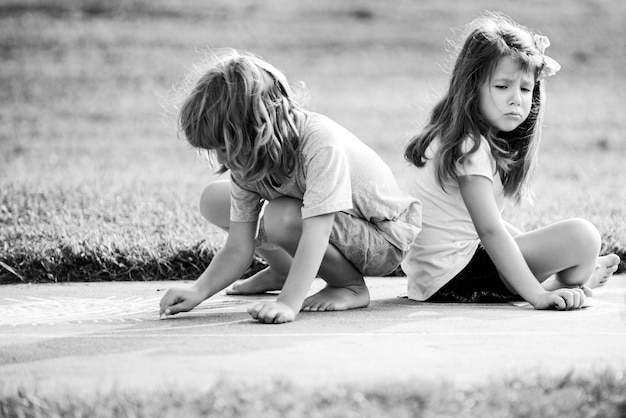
57	310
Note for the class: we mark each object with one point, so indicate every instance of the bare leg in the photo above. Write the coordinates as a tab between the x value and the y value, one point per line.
345	287
215	204
215	208
605	267
341	292
565	254
269	279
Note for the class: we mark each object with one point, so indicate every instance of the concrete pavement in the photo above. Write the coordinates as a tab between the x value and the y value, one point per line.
86	337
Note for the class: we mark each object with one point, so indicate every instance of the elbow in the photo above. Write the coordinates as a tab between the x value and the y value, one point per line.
490	234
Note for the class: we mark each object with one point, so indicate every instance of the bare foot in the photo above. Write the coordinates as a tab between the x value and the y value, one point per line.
338	299
265	280
605	267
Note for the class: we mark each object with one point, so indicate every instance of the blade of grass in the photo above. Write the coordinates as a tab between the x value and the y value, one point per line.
10	270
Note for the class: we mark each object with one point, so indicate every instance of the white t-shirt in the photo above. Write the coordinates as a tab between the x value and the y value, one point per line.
335	172
448	239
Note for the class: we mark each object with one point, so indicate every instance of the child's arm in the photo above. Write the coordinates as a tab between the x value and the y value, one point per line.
477	193
513	230
225	268
306	263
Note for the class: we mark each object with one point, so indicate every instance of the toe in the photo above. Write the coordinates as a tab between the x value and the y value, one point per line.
311	306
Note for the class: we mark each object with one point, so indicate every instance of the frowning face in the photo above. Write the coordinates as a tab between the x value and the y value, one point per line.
505	98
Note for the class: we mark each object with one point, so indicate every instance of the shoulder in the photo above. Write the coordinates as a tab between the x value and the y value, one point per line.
476	149
319	131
477	157
318	125
471	145
238	185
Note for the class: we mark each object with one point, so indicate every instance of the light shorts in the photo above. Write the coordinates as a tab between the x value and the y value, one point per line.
360	242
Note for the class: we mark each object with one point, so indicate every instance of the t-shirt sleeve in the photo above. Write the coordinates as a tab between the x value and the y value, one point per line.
479	163
245	205
328	187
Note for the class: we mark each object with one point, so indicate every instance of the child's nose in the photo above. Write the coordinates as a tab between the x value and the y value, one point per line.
516	97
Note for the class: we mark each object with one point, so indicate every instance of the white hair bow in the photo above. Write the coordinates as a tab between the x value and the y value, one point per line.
550	66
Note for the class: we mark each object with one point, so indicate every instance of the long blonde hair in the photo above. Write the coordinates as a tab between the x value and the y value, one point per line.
457	116
244	105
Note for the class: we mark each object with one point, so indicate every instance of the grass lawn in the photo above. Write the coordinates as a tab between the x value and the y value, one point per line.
95	184
601	395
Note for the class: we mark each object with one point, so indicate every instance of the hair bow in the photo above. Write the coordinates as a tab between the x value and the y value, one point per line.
550	66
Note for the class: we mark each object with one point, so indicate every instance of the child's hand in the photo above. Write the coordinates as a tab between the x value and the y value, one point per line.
272	312
179	300
562	299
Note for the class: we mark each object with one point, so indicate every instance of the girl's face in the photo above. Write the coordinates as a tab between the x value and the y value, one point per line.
506	97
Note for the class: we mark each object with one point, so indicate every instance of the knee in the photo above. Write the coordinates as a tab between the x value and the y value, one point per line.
283	220
584	235
215	203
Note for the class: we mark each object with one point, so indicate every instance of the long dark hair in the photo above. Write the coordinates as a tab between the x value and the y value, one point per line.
457	116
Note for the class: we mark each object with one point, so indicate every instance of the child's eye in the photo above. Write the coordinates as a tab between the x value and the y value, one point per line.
501	86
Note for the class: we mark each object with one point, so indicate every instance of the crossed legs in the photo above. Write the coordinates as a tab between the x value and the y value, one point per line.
565	254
